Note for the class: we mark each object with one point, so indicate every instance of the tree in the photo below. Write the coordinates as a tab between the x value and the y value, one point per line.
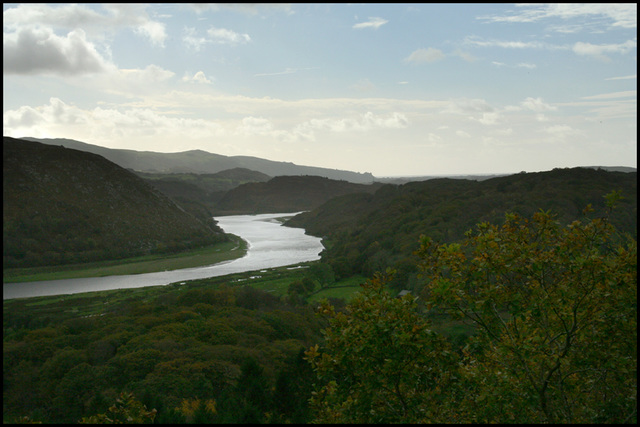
126	410
556	310
381	363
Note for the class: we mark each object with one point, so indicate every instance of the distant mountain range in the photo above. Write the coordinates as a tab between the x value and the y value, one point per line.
64	206
202	162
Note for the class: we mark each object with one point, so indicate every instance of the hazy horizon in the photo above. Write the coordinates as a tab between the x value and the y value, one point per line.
396	90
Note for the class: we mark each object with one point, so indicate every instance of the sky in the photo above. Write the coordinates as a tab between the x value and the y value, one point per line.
390	89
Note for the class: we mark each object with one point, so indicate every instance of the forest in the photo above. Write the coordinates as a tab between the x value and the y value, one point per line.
527	320
519	306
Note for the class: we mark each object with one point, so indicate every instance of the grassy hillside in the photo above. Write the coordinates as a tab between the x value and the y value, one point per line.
65	206
286	194
365	233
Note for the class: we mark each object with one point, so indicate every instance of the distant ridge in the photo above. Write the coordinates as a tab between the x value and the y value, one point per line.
200	162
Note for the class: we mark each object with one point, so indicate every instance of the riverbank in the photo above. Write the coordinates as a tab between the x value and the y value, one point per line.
226	251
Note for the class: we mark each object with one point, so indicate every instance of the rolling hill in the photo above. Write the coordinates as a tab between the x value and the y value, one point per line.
365	233
202	162
286	194
63	206
206	189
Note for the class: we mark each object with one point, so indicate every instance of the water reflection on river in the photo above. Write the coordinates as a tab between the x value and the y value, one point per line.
270	245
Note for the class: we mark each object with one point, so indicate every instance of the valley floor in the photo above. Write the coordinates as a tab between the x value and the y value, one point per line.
220	252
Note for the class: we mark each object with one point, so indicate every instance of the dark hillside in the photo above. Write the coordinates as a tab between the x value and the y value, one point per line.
368	234
62	206
286	194
206	189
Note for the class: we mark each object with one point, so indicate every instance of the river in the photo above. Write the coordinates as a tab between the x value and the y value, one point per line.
270	245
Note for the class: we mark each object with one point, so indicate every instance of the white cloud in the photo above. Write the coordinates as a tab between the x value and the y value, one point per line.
214	36
134	83
364	85
255	125
155	31
366	122
465	55
633	76
479	42
503	132
462	134
191	40
537	105
432	138
520	65
425	55
373	22
248	8
198	77
598	51
224	36
559	133
81	16
623	94
488	119
619	15
286	71
467	106
34	51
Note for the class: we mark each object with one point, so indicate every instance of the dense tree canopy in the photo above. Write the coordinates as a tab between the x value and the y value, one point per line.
555	309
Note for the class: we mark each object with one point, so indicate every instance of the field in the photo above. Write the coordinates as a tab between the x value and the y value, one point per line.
275	281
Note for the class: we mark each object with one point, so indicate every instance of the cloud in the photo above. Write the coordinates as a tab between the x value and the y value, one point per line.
56	112
598	51
286	71
618	15
34	51
479	42
425	55
198	77
191	40
373	22
623	94
559	130
366	122
247	8
465	55
364	85
488	119
134	83
255	125
224	36
633	76
154	31
79	16
214	36
537	105
106	125
466	106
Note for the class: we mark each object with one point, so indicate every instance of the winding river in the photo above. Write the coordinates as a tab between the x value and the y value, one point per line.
269	245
